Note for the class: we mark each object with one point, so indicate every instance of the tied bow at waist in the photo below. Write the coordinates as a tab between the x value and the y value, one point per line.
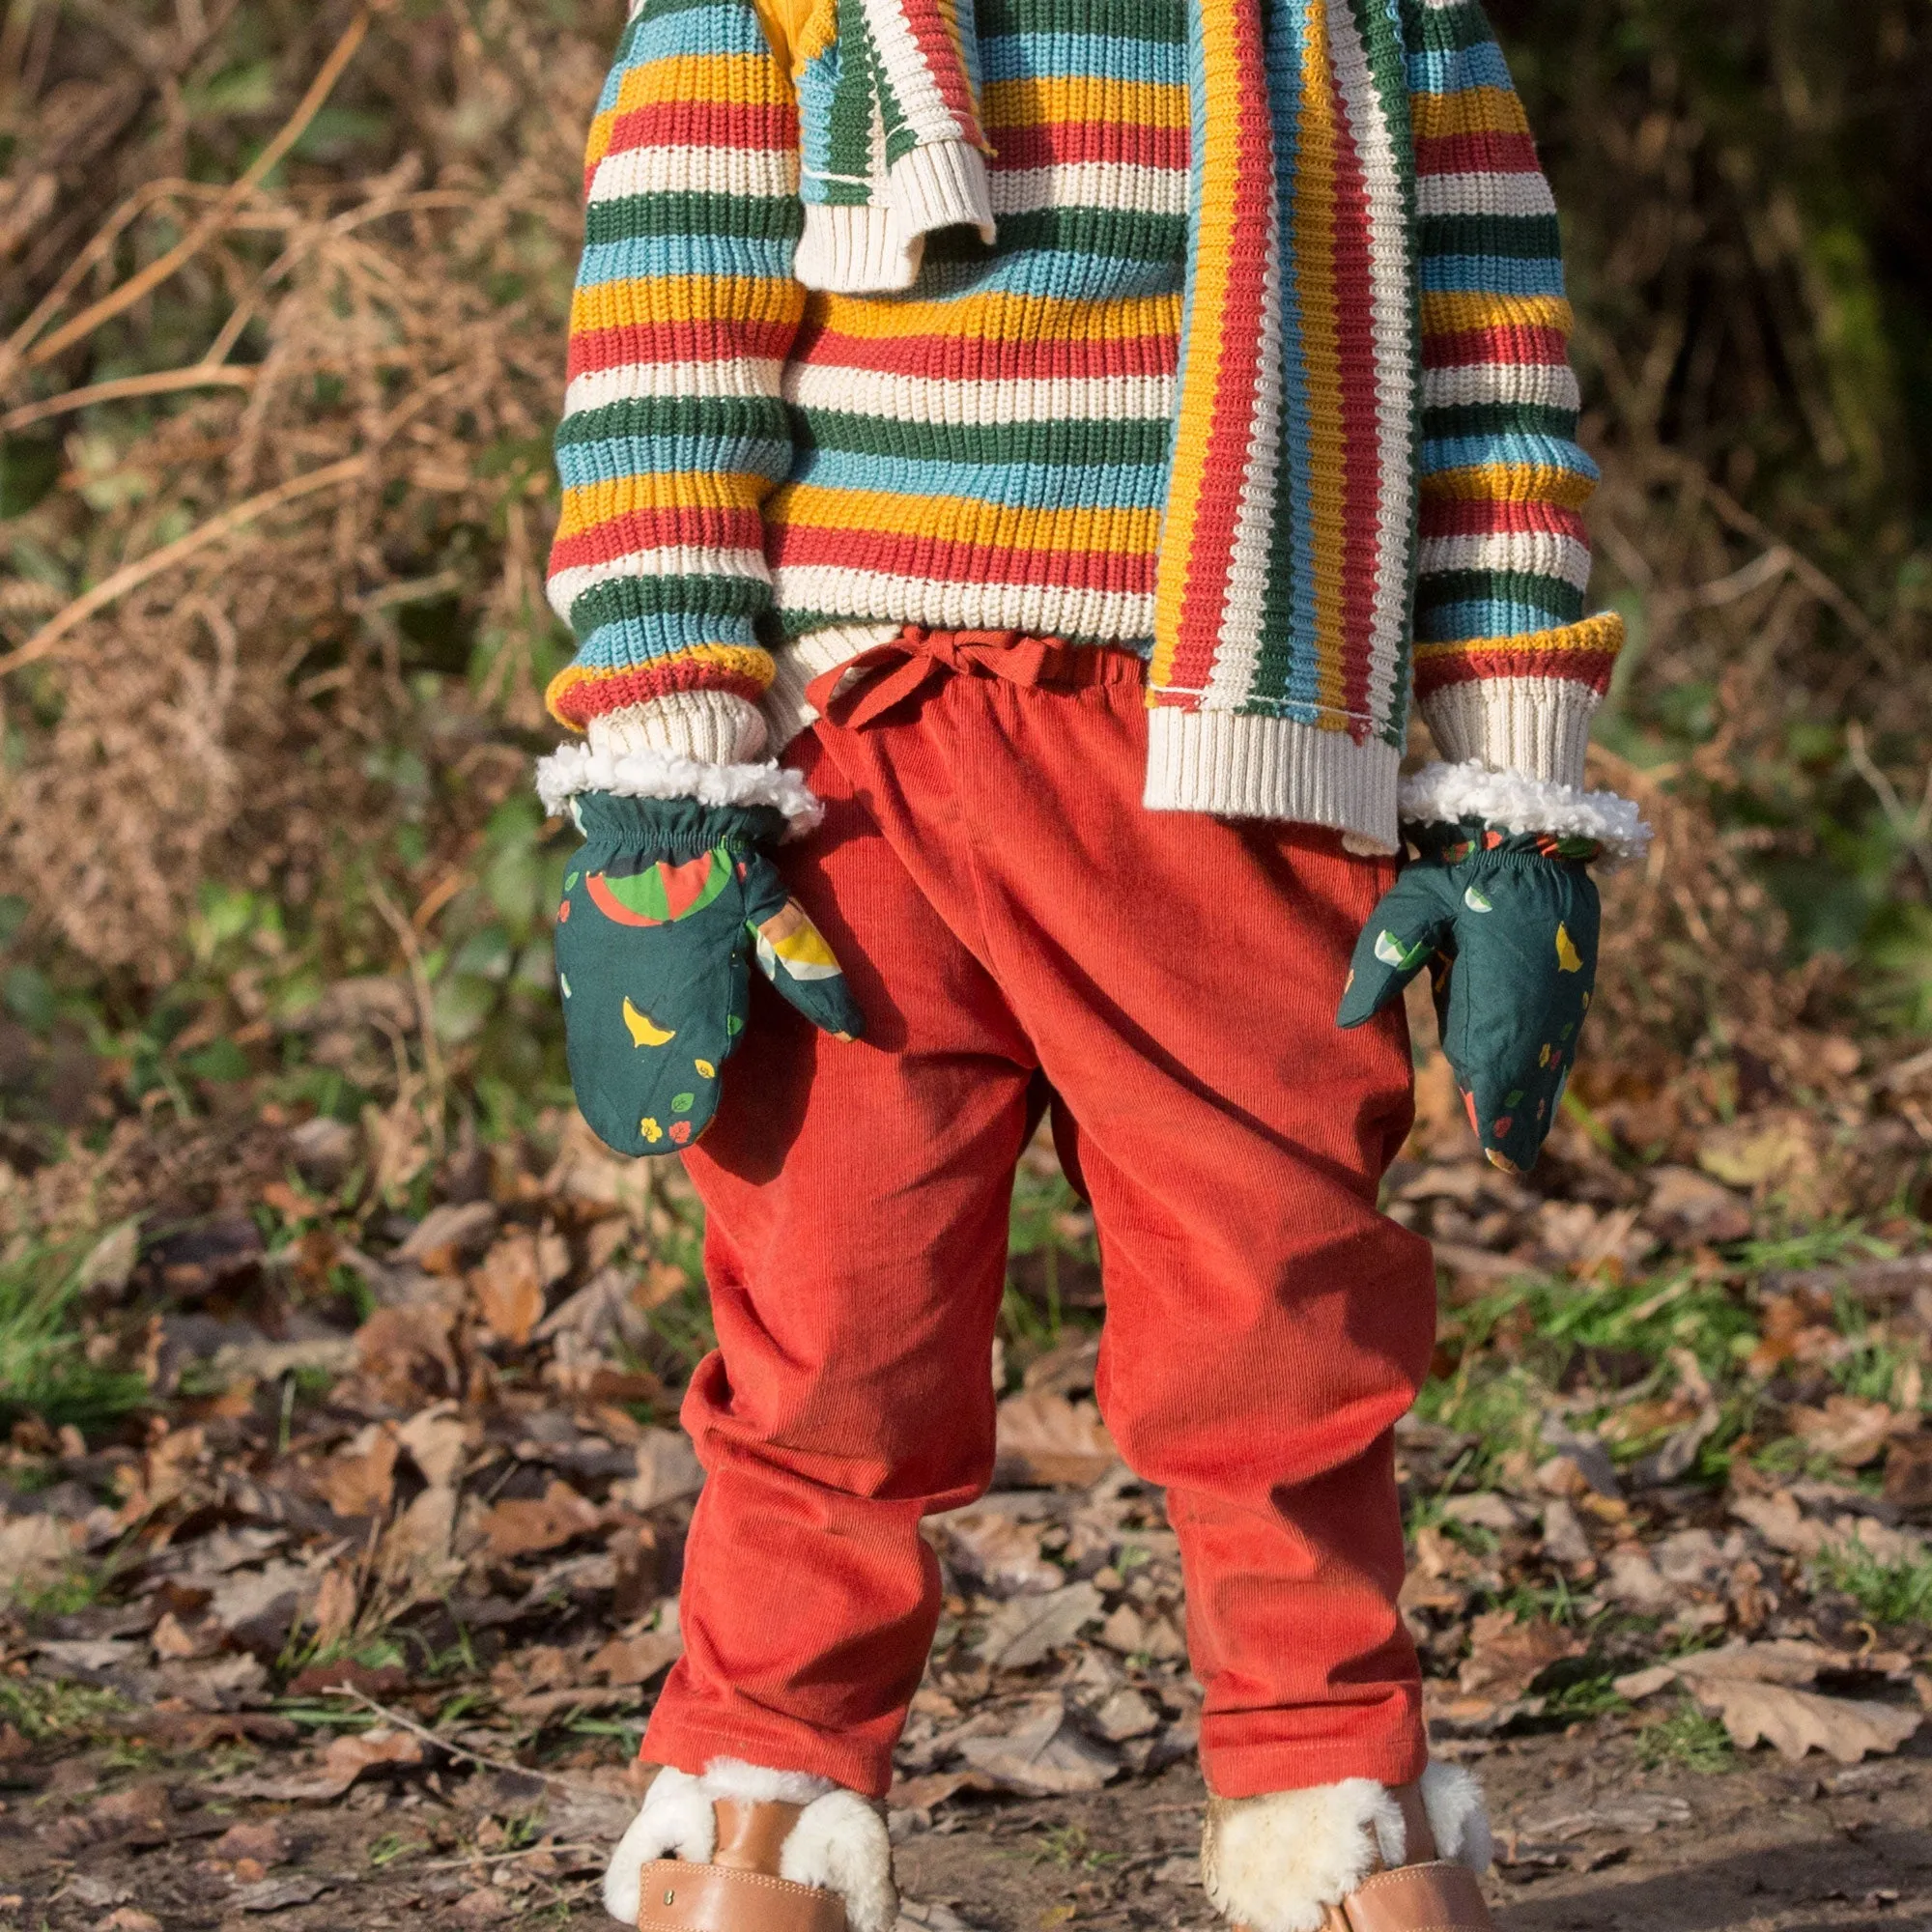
865	687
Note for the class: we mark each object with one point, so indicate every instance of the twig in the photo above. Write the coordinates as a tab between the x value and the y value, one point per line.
131	575
493	1857
191	245
1911	827
454	1749
425	994
197	375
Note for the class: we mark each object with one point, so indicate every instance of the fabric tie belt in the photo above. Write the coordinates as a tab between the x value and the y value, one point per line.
887	674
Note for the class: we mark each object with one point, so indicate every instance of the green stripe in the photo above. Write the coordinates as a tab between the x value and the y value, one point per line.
708	217
1100	231
619	597
1513	237
1141	439
1160	22
1555	594
732	419
1500	419
1445	29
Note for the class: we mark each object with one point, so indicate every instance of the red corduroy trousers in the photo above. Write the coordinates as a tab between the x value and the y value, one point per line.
1003	906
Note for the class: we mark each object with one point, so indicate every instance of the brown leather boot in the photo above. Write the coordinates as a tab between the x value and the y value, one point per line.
1268	1862
1427	1893
740	1890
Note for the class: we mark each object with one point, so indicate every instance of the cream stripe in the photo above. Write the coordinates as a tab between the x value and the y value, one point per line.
1533	553
747	172
566	586
731	376
1052	609
1115	185
1548	384
1506	194
922	399
1395	358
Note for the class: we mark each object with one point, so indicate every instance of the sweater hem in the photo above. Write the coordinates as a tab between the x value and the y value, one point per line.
1241	765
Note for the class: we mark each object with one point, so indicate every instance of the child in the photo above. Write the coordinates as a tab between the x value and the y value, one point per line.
1067	436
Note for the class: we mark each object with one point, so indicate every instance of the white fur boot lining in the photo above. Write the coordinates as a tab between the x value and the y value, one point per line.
839	1843
1277	1864
644	772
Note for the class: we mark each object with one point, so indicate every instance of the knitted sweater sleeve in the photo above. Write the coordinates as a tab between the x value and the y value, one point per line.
1508	668
673	429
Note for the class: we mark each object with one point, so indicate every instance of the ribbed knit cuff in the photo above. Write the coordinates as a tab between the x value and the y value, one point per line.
876	248
1537	726
716	727
1239	766
942	185
794	665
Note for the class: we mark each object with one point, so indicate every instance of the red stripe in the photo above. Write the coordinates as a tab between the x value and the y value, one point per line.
937	559
971	358
1060	143
602	692
683	124
1489	516
645	343
1475	155
940	58
687	525
1361	441
1480	664
1517	346
1231	429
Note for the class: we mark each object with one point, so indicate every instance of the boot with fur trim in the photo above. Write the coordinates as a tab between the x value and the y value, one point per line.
746	1850
1354	1857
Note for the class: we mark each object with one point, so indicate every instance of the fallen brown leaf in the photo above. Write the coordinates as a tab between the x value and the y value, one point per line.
360	1477
509	1287
1045	1439
1508	1654
1796	1722
523	1527
1046	1754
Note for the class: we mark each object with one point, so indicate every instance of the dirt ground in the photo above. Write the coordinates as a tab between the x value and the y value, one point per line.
1587	1839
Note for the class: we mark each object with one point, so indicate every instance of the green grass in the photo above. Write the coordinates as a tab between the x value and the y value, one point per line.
45	1709
1888	1593
44	1368
1688	1739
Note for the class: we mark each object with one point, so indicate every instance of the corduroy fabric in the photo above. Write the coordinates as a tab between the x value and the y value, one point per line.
1005	910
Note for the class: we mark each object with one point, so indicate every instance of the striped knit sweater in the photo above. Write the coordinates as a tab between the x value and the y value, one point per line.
760	479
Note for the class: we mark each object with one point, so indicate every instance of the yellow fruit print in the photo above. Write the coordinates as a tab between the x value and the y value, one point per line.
645	1031
1567	958
650	1130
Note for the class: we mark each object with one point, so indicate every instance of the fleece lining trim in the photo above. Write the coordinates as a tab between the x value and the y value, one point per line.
1442	794
645	773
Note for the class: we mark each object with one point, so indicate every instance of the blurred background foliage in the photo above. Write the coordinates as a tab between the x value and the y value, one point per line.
282	292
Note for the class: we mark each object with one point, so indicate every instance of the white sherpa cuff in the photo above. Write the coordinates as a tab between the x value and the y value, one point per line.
1442	794
651	774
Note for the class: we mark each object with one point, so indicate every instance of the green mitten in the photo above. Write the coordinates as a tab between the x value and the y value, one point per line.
1507	924
662	906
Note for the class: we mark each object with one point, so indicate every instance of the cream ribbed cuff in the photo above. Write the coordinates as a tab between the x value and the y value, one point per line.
715	728
1537	726
1241	766
877	248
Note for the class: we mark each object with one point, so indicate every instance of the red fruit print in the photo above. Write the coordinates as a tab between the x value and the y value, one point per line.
1503	1125
563	912
680	1131
1469	1108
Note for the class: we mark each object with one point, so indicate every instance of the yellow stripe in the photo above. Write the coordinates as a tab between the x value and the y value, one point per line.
591	505
1454	313
996	317
1473	110
738	661
751	300
1317	163
1033	103
736	80
1218	169
1511	483
1603	632
1119	533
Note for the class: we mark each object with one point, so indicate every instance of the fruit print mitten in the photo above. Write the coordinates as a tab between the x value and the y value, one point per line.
1507	925
663	905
